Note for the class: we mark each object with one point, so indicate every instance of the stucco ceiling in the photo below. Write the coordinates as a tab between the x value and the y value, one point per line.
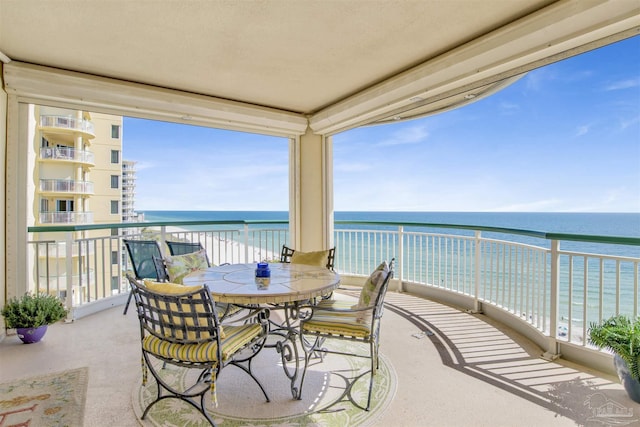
339	63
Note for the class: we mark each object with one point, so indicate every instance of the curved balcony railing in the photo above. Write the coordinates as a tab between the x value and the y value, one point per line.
67	154
68	123
66	186
66	217
525	278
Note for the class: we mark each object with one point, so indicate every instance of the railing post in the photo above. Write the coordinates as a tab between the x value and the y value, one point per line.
69	269
246	243
163	238
399	257
477	308
552	352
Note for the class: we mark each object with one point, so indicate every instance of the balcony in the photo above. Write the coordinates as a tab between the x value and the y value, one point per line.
66	217
68	154
445	328
66	186
60	125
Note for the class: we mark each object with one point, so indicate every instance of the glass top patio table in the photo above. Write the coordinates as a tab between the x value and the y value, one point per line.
236	284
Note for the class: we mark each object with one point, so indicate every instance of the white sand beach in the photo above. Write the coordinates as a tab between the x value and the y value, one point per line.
222	246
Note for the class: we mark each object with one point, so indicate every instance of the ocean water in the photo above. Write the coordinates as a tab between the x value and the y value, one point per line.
597	224
608	224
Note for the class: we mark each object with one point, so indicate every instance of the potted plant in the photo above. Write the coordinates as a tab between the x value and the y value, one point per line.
621	335
30	315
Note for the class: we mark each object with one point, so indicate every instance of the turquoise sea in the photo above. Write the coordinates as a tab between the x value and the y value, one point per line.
599	224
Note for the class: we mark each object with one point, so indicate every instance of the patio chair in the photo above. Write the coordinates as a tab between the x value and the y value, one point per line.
288	255
161	269
183	248
342	320
181	328
141	253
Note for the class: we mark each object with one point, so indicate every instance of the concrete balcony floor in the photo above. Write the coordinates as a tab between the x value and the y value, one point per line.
453	368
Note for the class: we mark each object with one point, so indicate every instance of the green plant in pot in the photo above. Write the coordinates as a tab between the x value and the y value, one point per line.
30	315
621	335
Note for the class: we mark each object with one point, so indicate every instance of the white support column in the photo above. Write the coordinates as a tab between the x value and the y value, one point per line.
4	118
311	192
16	273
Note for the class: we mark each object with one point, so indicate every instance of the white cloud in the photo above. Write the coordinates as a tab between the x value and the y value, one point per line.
407	135
142	165
535	206
627	123
509	108
623	84
582	130
535	79
352	167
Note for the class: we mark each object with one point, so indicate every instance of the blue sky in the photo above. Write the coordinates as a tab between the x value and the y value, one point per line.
564	138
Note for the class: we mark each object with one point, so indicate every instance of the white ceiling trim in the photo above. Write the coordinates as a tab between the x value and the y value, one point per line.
511	50
102	94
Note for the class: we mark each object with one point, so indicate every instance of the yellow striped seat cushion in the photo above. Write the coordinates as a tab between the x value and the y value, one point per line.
236	338
341	324
333	303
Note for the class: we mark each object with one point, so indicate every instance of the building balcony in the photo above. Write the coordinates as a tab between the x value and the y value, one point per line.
467	317
59	125
66	186
68	154
66	217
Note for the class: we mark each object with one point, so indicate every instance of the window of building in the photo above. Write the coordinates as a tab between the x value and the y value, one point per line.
115	283
114	257
115	232
115	206
115	156
44	205
115	131
115	181
64	205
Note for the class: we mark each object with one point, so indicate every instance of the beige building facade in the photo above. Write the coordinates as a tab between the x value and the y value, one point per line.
76	167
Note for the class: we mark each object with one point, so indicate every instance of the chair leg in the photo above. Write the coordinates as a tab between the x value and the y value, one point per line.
126	307
374	367
247	369
307	356
186	396
347	395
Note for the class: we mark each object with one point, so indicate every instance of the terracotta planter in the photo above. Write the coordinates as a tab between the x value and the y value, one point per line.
631	385
31	335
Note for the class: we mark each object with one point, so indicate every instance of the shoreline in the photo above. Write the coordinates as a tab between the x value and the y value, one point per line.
221	250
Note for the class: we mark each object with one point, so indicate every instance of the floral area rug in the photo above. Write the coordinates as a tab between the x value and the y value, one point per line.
240	402
53	400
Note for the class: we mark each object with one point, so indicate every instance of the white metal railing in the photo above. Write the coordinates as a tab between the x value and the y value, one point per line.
70	123
516	277
66	217
558	292
66	186
67	153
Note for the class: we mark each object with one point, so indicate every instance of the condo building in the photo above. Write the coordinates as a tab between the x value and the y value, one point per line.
79	178
129	191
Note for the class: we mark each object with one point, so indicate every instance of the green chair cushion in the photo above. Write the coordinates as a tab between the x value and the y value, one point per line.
371	287
315	258
179	266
